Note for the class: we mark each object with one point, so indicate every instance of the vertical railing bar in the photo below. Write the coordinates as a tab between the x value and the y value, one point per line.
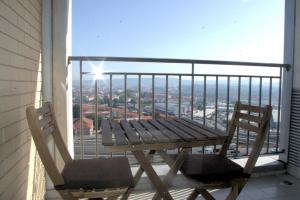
216	105
96	113
192	92
167	94
238	129
239	88
204	100
192	95
111	103
125	96
270	103
125	100
216	102
260	91
179	100
139	98
227	103
110	96
279	104
249	102
204	106
153	109
81	113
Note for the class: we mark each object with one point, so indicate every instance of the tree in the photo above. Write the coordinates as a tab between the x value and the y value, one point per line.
76	111
122	98
115	103
157	115
106	100
200	107
133	101
85	99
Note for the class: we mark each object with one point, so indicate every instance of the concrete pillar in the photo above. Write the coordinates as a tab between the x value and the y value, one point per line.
61	86
295	55
287	80
47	50
57	85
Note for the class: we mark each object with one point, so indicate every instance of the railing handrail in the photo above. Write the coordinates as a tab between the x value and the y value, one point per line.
182	74
173	60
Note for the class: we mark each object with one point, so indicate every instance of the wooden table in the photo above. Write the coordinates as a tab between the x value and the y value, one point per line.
158	136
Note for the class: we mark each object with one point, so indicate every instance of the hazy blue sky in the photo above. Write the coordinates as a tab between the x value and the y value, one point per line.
237	30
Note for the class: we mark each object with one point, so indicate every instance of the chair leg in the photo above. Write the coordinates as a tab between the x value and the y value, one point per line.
241	185
193	195
206	195
234	193
127	193
236	190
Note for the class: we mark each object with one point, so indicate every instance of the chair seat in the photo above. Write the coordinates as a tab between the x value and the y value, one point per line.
98	173
211	168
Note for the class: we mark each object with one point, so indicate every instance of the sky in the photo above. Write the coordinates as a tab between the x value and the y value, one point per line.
236	30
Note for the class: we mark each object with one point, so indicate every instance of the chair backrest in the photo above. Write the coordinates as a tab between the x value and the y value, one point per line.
43	126
254	119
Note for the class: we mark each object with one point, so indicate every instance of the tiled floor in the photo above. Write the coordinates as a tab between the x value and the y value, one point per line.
271	187
267	188
258	188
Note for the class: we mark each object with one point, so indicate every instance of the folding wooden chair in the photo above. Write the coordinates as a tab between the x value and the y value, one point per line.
90	178
216	171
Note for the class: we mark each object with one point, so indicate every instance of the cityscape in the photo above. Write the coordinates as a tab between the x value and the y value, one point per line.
209	105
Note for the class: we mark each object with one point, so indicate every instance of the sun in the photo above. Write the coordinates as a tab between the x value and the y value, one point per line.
97	71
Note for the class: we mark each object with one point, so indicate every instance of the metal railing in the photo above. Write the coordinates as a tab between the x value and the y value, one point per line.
212	106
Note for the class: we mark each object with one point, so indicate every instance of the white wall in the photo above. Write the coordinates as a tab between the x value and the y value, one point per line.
58	47
287	78
59	54
293	169
296	80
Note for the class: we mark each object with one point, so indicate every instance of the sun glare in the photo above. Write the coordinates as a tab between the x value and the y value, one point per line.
97	71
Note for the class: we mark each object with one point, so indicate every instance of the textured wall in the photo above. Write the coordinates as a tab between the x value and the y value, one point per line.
294	147
296	81
21	172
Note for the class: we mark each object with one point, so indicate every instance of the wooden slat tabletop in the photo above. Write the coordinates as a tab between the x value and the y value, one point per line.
119	133
171	135
187	129
202	131
145	135
131	134
157	134
183	135
106	133
210	130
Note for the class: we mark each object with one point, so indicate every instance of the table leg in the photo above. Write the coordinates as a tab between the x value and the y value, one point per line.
140	171
166	157
154	178
174	168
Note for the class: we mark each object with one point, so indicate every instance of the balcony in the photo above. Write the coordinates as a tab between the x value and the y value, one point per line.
33	70
214	111
213	108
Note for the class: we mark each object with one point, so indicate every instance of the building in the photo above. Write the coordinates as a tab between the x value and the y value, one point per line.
88	126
